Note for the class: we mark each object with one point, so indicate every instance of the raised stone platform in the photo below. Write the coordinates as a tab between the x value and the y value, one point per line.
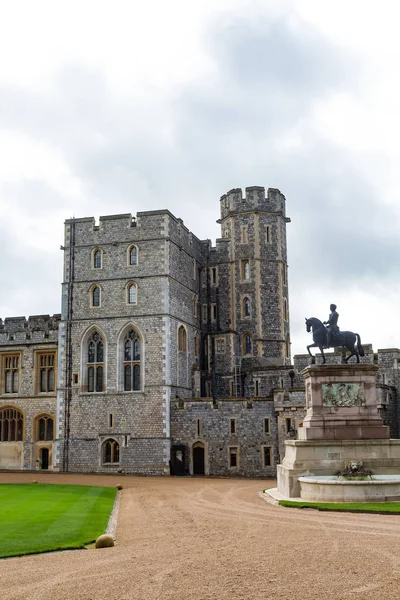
341	403
304	458
342	425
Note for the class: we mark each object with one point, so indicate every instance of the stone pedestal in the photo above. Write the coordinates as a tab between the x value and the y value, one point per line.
341	403
342	424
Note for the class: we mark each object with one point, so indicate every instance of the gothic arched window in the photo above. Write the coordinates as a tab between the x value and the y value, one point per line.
133	255
95	363
96	296
97	258
110	452
246	343
44	429
11	425
182	339
131	293
131	363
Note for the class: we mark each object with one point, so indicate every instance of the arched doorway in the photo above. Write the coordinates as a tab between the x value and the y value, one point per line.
44	458
198	459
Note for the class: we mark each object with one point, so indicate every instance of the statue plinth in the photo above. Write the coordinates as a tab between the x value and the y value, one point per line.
342	424
341	403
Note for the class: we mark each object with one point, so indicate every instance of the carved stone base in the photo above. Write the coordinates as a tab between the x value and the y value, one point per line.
341	403
328	458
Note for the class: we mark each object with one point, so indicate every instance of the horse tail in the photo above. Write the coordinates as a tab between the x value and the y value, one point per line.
359	347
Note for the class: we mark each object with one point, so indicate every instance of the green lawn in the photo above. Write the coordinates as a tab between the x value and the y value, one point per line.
41	518
364	507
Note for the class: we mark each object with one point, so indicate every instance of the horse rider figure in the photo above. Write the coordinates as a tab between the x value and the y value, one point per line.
332	326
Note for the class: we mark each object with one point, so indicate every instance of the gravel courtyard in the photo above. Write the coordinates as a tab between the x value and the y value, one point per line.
182	538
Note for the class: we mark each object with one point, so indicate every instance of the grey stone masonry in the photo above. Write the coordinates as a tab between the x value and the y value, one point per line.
171	354
28	375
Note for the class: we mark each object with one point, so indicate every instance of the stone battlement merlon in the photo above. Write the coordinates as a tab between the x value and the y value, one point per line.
36	329
254	198
116	228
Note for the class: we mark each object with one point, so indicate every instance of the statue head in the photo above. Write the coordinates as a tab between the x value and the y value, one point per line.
333	307
308	325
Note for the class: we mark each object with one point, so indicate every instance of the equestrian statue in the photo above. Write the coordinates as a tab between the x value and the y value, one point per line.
331	337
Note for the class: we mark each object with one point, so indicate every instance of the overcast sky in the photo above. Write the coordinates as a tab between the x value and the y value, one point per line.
125	106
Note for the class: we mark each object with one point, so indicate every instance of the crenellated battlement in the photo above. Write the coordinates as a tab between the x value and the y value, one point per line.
34	329
254	199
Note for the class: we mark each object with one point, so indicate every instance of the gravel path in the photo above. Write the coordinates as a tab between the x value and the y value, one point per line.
201	539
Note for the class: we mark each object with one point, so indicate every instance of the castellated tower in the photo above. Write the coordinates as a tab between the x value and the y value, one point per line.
246	291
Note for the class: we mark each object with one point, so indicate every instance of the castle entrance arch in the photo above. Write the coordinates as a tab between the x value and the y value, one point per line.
198	458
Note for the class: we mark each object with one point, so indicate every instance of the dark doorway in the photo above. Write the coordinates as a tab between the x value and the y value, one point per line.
198	460
44	458
178	456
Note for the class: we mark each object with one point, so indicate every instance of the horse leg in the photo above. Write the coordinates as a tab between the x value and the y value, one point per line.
353	352
321	349
311	346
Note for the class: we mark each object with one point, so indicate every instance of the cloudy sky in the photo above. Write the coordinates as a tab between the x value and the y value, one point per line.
125	106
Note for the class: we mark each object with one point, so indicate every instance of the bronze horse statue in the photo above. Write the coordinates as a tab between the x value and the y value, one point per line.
346	339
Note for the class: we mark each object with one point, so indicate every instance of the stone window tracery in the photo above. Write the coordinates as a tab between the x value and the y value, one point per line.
95	363
131	363
110	452
10	375
44	429
11	425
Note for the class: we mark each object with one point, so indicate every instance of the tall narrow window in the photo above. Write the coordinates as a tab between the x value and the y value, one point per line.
132	293
232	426
268	234
96	296
244	235
182	339
131	363
97	258
46	375
95	363
220	346
11	374
133	255
11	425
213	312
285	310
267	456
45	429
288	424
233	456
246	341
266	426
245	270
246	307
110	451
195	305
196	345
204	313
214	275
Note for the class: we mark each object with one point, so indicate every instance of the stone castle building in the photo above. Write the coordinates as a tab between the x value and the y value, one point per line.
170	355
